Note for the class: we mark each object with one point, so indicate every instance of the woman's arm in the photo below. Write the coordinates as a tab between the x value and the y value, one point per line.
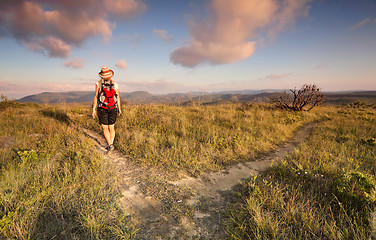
95	102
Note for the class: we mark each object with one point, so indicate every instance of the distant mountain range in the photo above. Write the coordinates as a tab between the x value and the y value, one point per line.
142	97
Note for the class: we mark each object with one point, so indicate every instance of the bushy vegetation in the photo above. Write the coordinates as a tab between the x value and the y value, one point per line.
324	190
52	183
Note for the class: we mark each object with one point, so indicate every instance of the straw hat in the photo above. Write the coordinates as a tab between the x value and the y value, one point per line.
106	73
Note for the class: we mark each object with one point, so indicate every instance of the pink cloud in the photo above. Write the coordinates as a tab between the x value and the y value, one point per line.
125	9
361	23
231	29
33	46
22	19
50	46
121	64
81	26
54	27
55	47
215	53
8	88
162	34
75	63
20	90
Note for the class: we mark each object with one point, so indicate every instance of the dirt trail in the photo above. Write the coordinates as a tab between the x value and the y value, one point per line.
209	184
210	193
133	201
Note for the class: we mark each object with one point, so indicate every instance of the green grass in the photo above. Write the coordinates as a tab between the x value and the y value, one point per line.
52	185
325	189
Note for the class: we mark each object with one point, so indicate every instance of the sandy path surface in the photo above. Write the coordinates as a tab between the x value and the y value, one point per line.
210	193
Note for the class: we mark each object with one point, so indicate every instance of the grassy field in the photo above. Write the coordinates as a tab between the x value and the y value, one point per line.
199	139
52	182
325	189
54	185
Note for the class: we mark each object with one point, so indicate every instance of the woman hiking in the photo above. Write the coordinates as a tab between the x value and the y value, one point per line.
106	105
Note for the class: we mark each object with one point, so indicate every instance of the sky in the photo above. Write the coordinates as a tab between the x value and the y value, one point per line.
168	46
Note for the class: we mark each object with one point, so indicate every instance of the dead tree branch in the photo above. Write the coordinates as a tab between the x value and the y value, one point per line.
305	98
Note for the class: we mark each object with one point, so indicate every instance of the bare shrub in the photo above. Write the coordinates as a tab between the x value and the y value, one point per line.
3	98
305	98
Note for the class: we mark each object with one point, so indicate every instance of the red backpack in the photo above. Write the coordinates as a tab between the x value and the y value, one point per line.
107	97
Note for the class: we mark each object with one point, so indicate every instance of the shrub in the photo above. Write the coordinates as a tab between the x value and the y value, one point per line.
308	97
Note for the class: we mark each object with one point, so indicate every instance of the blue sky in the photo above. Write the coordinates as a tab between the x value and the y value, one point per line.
188	45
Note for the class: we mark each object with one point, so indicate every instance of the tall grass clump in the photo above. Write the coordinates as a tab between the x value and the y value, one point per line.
52	184
325	189
196	139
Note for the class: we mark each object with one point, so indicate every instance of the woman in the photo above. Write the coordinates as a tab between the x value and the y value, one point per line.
106	105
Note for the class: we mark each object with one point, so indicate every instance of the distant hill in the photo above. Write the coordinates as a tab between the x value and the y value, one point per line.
143	97
82	97
137	97
344	98
59	97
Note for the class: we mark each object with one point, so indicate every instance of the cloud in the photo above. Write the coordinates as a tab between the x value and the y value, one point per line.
20	90
121	64
53	27
75	63
277	76
215	53
50	46
11	90
360	23
232	28
162	34
55	47
125	9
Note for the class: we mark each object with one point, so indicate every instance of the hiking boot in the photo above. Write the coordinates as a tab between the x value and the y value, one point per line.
110	148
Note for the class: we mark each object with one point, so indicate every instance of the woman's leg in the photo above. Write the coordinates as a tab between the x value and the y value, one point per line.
106	133
112	133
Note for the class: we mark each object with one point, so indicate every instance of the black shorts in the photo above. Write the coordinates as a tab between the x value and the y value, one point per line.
107	117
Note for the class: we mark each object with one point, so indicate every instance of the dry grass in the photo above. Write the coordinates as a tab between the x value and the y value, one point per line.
198	139
323	190
52	185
